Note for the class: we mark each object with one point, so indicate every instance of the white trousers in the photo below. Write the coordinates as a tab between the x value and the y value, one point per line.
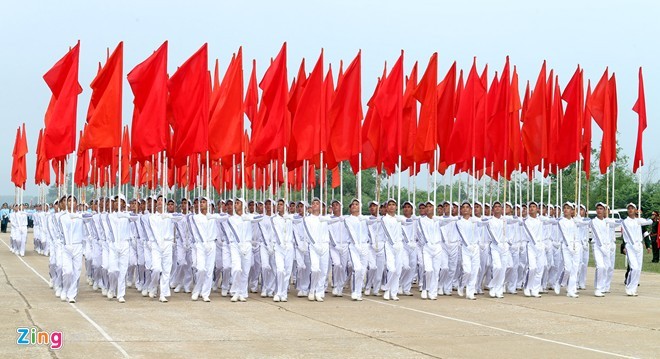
536	262
283	268
118	266
241	261
205	262
603	263
634	254
572	259
161	266
71	269
470	264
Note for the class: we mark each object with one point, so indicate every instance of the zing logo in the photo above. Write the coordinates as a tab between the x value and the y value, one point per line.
30	336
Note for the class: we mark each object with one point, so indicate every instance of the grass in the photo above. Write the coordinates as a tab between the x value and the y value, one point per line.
620	260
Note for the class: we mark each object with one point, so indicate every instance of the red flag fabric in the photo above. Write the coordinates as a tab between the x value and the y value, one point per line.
497	128
345	113
409	121
534	129
15	165
568	150
640	108
125	158
60	120
447	106
307	117
190	98
252	95
81	175
226	119
388	103
514	137
556	118
462	139
103	128
148	81
585	146
603	110
269	134
427	94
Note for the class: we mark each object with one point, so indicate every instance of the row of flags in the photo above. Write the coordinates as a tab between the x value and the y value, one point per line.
187	129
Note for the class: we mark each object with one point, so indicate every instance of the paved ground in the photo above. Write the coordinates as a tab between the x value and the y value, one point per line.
451	327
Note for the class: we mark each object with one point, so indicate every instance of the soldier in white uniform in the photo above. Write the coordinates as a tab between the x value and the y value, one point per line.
536	255
120	241
338	250
284	251
434	251
377	239
72	229
264	233
602	247
303	271
571	249
161	227
318	237
394	250
583	236
409	269
466	228
496	228
359	248
632	235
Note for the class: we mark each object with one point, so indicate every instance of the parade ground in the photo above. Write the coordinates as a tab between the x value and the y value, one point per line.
450	327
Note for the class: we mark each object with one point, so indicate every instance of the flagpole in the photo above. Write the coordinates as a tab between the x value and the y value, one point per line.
474	181
233	176
254	182
359	182
341	182
398	196
506	185
607	188
451	188
321	180
639	188
415	185
579	183
435	174
613	176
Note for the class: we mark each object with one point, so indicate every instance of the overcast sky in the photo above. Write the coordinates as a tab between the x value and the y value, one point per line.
594	34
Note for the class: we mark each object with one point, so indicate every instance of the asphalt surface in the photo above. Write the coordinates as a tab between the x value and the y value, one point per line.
450	327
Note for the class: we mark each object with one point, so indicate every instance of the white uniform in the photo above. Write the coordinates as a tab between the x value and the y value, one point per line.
120	242
267	254
496	230
632	235
536	254
284	254
394	252
452	243
19	230
318	236
571	247
434	253
339	255
375	271
72	229
240	244
603	252
204	233
162	229
360	252
470	254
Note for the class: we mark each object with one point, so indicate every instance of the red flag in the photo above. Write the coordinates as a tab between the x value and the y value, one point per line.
149	129
62	79
568	150
226	126
603	110
427	94
497	128
534	129
345	113
388	103
125	157
585	146
103	128
270	133
307	117
81	175
513	137
447	105
640	108
252	95
15	170
189	96
462	139
409	121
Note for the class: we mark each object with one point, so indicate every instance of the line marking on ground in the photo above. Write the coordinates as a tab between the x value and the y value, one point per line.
464	321
82	314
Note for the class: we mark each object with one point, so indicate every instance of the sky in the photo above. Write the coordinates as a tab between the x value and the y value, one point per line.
594	34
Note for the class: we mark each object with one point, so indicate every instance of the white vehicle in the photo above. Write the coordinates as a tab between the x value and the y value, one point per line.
617	215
